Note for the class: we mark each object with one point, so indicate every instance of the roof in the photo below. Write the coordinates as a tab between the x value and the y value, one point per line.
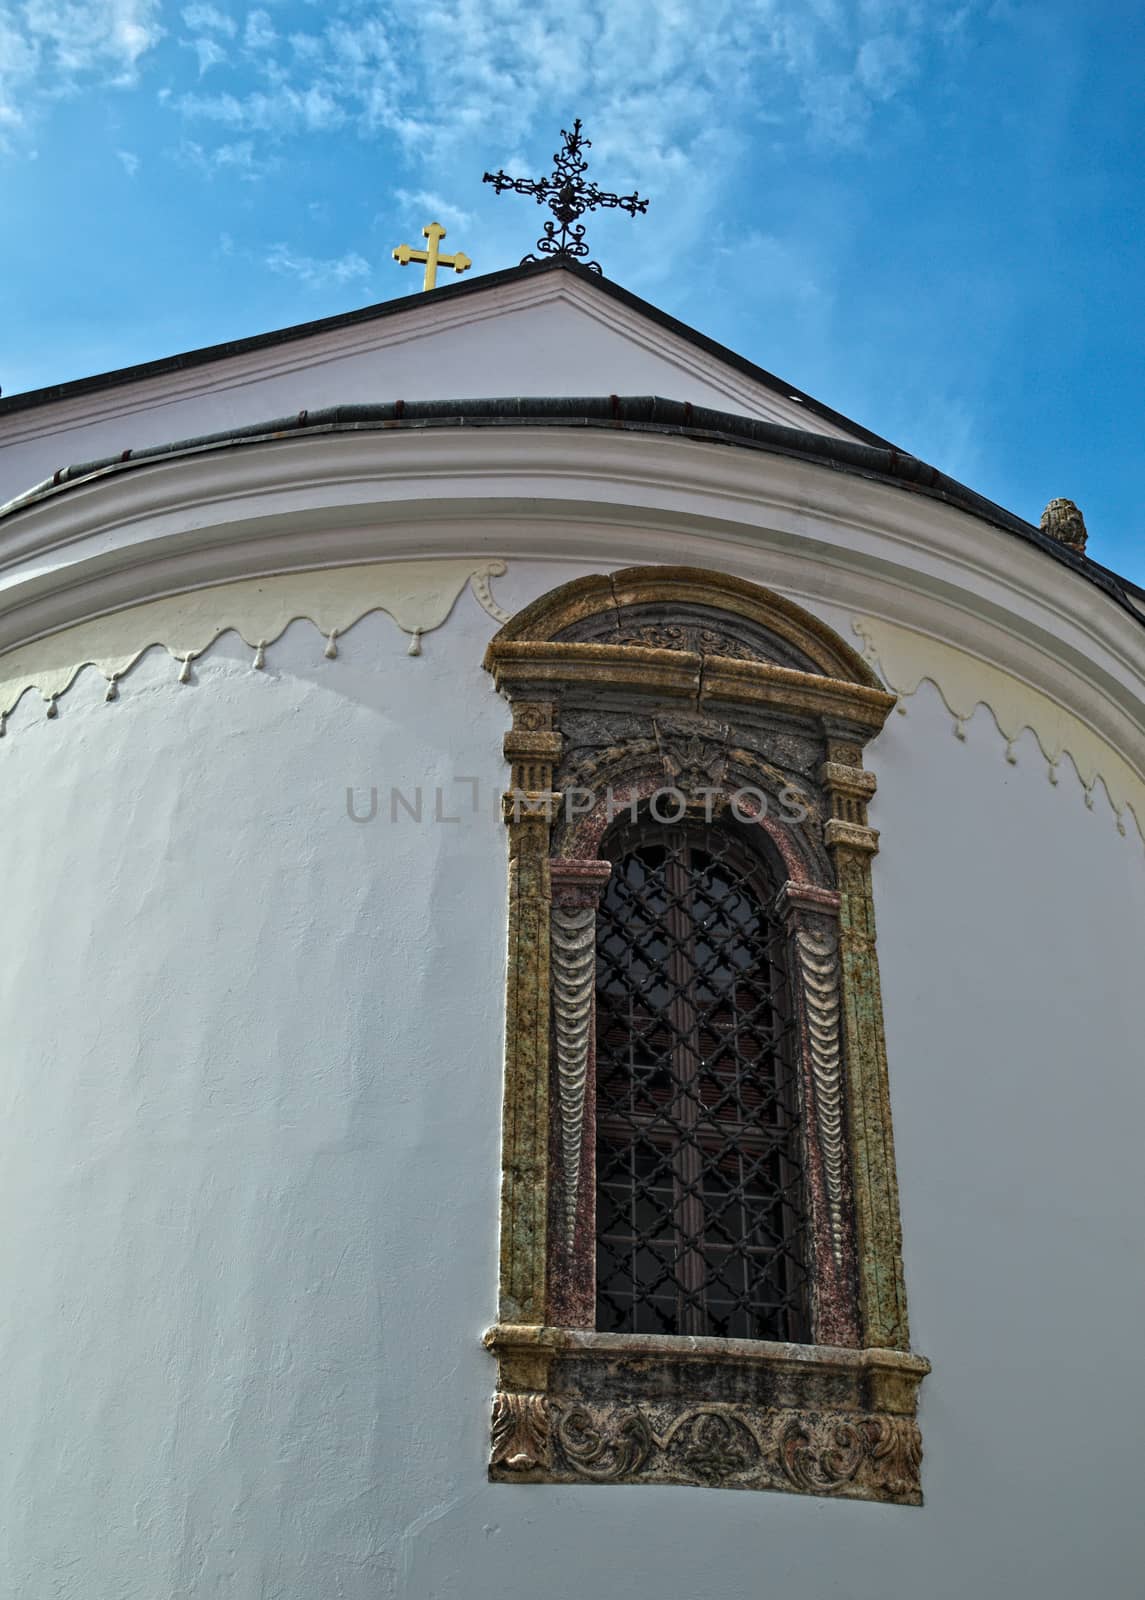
121	376
633	413
865	453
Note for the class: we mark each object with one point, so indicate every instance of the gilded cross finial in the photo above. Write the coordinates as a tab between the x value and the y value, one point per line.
568	197
435	233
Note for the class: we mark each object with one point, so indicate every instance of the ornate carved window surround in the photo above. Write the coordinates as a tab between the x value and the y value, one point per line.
621	686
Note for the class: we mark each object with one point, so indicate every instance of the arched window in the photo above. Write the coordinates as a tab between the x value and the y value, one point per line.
701	1271
700	1211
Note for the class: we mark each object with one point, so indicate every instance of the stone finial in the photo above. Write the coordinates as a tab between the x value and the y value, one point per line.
1064	522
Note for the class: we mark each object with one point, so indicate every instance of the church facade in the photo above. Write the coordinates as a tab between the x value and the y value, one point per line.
460	1123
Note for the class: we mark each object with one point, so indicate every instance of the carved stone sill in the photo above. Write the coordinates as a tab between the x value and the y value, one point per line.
580	1407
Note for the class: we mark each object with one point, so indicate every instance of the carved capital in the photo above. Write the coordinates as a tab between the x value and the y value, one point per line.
844	748
794	898
850	835
521	806
520	1434
578	883
529	746
848	780
533	747
534	716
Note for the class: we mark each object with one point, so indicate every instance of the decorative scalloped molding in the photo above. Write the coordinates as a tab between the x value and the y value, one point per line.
572	952
130	537
418	595
907	659
819	968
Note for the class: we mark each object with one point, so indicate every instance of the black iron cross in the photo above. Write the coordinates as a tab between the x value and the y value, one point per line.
569	197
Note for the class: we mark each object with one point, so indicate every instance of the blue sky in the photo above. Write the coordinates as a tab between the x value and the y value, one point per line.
930	215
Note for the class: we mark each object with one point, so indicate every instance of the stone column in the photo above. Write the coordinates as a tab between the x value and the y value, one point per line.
811	916
532	747
882	1294
576	889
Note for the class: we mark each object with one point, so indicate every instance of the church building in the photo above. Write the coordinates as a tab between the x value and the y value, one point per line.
459	1123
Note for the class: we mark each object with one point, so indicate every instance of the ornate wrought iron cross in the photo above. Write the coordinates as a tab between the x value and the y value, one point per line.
568	197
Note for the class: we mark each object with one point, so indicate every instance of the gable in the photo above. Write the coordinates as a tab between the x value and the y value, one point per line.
525	332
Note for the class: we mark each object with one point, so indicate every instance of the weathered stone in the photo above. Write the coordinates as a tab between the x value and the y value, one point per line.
631	1408
603	711
1064	522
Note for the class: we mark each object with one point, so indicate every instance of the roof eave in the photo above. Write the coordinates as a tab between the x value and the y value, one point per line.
143	371
633	413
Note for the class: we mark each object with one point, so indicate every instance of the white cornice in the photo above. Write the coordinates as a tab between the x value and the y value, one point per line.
433	316
572	494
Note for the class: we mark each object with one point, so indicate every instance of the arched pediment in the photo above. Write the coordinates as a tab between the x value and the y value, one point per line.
685	634
692	610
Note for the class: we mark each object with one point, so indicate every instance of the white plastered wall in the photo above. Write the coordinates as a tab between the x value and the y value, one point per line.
543	337
249	1122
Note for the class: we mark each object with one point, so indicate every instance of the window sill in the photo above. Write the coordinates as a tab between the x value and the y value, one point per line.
580	1407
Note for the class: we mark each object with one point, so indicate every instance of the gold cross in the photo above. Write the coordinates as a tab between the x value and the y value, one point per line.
435	233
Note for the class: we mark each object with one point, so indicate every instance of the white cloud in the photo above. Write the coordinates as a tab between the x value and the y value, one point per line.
237	159
209	19
672	96
885	64
448	76
674	99
52	47
17	66
654	80
283	110
432	208
129	161
316	273
260	33
74	37
208	52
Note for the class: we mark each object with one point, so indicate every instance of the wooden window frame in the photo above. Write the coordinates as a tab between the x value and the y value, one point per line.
620	686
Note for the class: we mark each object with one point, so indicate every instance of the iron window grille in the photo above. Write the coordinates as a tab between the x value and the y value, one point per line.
700	1203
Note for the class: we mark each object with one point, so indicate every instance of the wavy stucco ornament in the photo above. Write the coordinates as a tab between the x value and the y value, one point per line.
572	952
418	595
819	969
906	660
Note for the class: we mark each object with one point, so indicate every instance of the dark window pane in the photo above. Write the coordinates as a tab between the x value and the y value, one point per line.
699	1169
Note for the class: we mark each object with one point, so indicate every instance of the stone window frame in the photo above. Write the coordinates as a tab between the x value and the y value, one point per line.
621	685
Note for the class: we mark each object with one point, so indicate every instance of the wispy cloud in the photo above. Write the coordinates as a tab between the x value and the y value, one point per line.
82	36
317	273
208	53
435	208
260	33
51	47
287	109
209	19
674	104
129	161
654	79
236	159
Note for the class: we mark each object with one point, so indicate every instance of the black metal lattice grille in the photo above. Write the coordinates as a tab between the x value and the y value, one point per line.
699	1176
